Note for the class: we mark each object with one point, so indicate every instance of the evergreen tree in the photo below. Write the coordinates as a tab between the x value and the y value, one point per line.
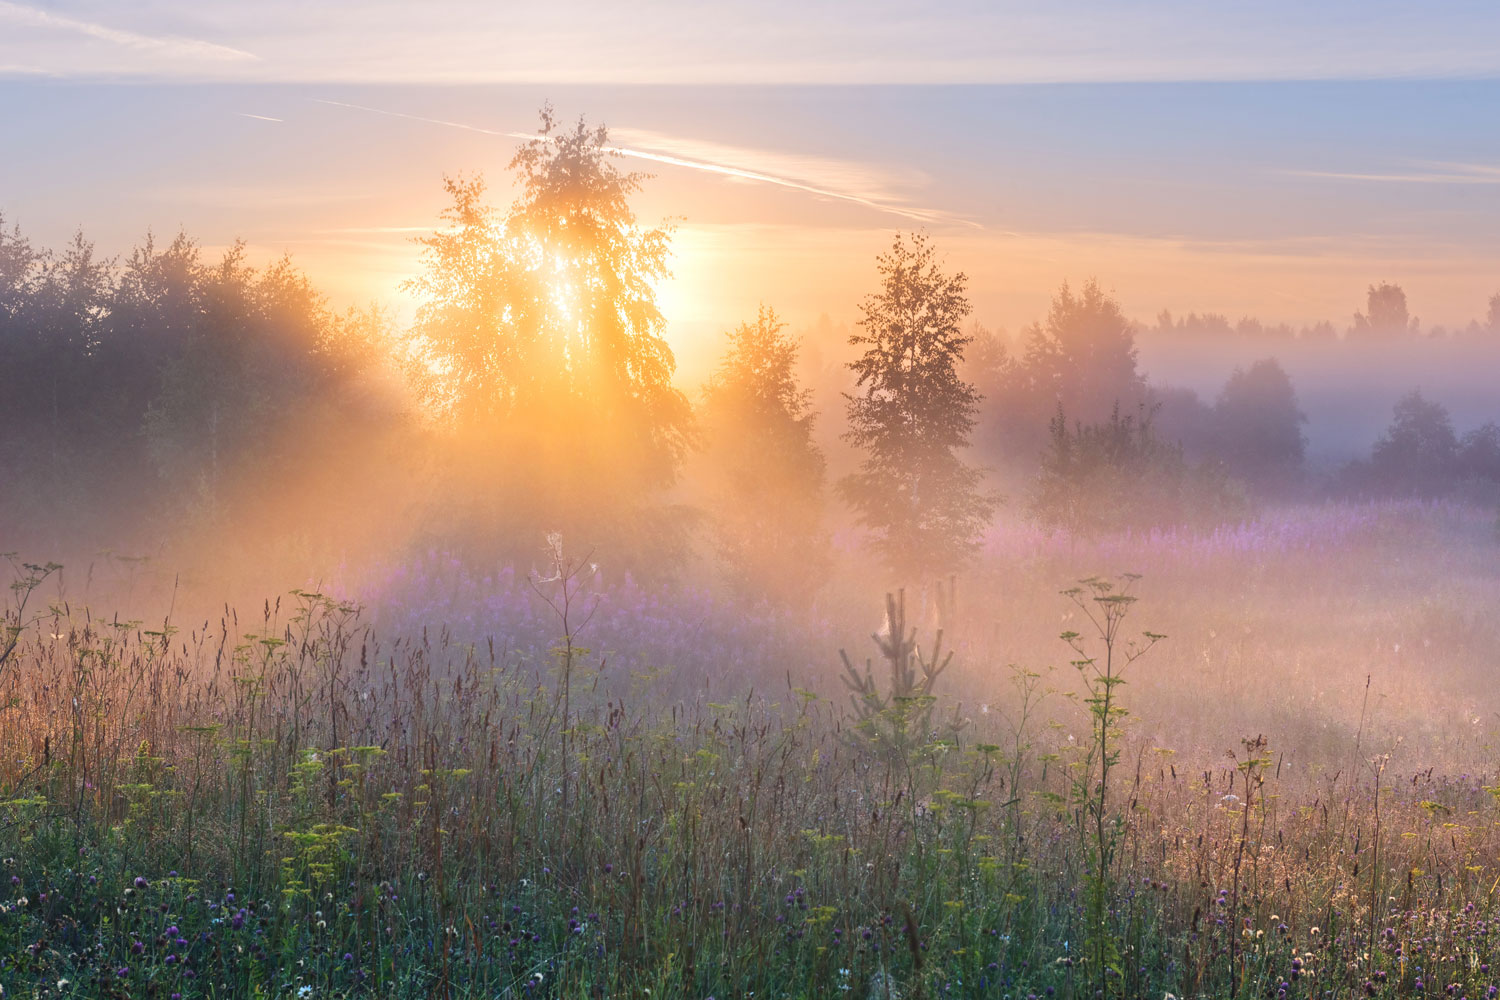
912	414
1082	357
765	472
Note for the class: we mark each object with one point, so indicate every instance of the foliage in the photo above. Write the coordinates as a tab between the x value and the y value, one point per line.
1421	455
765	473
1479	454
912	414
1417	453
1081	357
1104	604
1259	427
540	341
253	349
117	378
898	722
298	805
1385	313
1121	475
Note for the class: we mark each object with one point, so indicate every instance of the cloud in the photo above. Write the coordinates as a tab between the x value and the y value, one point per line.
839	180
792	41
1424	173
171	46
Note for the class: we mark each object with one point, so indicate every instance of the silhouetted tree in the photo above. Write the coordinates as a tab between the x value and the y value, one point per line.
1417	454
1082	358
1119	474
1385	313
1479	454
989	367
912	414
164	372
252	356
764	471
60	439
1320	332
1259	426
1180	416
1084	353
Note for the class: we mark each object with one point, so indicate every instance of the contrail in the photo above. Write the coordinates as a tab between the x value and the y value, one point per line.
1430	172
191	48
262	118
722	169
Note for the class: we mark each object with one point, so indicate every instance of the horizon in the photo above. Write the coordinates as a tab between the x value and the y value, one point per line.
1210	168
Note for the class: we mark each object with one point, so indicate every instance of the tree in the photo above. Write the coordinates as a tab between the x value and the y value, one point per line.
1385	314
1082	358
59	429
252	355
1180	416
1479	454
912	413
990	368
1259	427
1119	474
765	472
539	336
1417	454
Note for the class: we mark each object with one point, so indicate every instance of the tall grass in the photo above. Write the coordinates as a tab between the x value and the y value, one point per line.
303	804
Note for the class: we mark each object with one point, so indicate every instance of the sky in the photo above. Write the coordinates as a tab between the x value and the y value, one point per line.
1271	159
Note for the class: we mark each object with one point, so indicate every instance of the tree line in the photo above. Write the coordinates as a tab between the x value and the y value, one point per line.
534	393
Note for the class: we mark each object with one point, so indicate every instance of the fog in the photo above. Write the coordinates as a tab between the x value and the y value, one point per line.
1064	620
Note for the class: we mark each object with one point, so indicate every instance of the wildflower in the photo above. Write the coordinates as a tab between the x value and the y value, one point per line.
304	991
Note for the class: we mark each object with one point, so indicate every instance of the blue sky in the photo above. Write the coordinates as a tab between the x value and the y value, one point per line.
769	41
1271	158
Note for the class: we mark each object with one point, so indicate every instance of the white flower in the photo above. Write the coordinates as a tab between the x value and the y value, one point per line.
304	991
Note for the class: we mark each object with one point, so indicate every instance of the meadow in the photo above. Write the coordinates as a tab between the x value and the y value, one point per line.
1264	768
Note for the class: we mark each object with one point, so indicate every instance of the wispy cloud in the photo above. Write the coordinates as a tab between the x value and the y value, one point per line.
165	45
1424	172
837	180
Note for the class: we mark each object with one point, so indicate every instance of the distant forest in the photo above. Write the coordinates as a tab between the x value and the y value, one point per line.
170	394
